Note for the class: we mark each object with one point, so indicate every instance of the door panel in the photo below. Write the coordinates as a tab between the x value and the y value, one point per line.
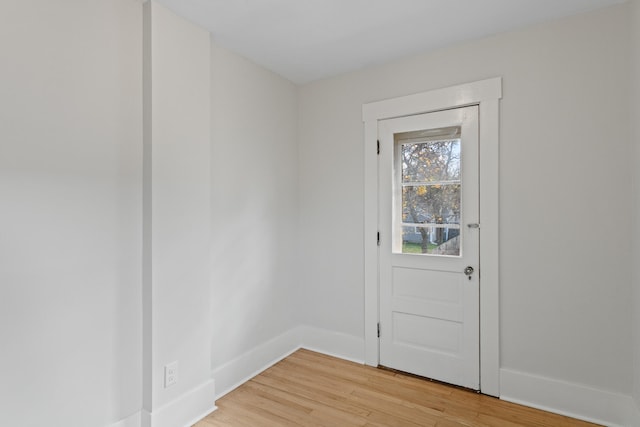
411	284
428	184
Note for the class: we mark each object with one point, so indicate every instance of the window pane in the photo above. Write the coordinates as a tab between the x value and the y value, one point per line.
431	240
430	184
436	204
433	161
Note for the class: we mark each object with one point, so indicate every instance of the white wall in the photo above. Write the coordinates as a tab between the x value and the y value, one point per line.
71	206
71	177
177	274
564	187
635	120
254	212
70	212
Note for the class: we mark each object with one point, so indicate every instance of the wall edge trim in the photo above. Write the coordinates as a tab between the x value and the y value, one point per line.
185	410
133	420
570	399
232	374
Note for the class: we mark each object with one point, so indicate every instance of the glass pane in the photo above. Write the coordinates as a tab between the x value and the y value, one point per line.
435	204
433	161
441	240
431	195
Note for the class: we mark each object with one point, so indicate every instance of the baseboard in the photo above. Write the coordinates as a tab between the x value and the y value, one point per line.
184	411
570	399
131	421
337	344
234	373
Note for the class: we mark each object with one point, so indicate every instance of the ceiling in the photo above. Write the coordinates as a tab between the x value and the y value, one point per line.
307	40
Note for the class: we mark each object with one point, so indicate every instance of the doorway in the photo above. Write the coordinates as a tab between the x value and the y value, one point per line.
439	234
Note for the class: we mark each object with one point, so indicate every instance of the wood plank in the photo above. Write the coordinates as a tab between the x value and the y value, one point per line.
312	389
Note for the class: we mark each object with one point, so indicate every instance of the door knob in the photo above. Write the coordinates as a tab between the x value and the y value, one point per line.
468	271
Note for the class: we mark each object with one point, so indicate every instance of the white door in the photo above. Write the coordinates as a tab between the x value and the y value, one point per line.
429	245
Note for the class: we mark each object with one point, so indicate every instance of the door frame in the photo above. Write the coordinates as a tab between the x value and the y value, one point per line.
486	94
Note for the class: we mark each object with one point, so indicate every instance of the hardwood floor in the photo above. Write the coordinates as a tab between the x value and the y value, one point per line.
311	389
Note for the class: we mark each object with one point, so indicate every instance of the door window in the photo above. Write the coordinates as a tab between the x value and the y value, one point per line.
427	193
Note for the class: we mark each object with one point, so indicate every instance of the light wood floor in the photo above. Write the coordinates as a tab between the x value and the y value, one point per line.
311	389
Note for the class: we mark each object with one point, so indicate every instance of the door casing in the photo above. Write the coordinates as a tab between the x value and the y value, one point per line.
486	94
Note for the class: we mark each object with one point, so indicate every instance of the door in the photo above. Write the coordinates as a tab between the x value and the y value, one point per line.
429	245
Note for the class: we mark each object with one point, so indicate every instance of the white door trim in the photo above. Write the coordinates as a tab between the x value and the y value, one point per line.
486	94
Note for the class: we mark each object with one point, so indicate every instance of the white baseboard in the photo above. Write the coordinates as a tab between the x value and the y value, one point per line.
246	366
184	411
570	399
131	421
343	346
236	372
198	403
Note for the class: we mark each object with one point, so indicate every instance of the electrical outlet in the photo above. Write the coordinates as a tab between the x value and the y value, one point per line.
170	374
